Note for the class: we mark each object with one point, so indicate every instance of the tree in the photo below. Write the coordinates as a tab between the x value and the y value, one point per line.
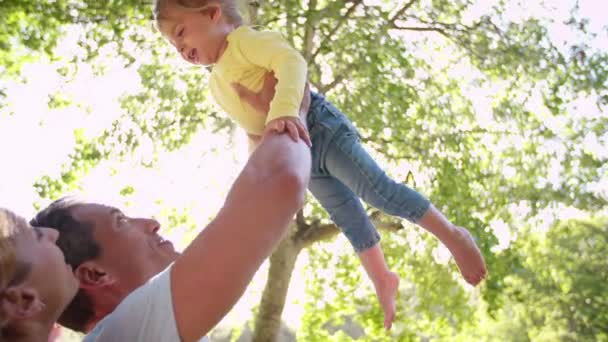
406	73
558	293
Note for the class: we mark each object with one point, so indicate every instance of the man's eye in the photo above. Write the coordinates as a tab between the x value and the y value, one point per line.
38	233
180	33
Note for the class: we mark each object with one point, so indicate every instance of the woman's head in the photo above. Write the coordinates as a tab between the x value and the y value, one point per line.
197	28
35	282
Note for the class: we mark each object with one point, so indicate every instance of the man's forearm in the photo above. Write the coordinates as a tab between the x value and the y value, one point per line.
279	159
252	142
214	271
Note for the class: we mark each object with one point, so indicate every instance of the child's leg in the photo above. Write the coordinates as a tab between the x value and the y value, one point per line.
347	212
460	243
347	160
385	282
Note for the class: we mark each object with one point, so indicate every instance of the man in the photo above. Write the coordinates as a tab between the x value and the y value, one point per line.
135	287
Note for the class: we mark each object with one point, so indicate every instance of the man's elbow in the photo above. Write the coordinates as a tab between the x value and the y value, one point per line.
288	167
293	185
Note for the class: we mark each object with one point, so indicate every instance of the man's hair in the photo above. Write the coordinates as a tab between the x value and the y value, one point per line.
77	243
229	8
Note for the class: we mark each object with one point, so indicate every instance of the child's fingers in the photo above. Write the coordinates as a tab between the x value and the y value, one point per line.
304	135
273	126
293	131
294	127
280	126
302	131
276	126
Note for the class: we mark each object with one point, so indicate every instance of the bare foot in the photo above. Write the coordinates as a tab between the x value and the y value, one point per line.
467	256
386	291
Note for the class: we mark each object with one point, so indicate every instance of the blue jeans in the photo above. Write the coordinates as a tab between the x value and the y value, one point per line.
342	172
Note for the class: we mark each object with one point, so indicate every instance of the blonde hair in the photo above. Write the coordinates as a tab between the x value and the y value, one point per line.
229	9
12	271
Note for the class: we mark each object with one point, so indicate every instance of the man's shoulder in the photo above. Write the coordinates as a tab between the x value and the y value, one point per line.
146	314
155	292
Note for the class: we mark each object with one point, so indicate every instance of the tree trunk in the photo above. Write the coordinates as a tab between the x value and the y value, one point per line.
282	263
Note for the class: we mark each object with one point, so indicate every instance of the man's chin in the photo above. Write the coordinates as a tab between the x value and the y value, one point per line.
170	256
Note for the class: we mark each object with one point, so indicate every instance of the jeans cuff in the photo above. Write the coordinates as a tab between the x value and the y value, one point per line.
420	211
368	244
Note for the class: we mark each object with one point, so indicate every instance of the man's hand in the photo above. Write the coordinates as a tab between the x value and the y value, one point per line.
293	126
259	100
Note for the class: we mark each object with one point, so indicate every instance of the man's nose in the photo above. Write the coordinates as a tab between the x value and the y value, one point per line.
150	226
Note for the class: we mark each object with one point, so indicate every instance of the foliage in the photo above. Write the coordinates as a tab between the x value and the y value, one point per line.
559	292
481	107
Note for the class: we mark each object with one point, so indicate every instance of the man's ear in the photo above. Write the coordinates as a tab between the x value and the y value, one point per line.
91	275
21	302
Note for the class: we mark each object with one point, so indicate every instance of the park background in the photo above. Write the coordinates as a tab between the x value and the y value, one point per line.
495	110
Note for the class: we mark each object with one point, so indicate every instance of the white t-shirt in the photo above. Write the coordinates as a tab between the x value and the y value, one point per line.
146	315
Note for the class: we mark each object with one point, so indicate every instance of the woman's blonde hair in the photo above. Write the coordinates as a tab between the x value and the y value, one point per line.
229	8
12	271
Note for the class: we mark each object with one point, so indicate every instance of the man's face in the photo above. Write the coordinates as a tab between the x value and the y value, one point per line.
132	251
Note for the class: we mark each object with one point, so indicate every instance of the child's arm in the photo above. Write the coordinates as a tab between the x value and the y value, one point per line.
270	51
261	101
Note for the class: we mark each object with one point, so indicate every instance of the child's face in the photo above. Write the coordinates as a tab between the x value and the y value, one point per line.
198	36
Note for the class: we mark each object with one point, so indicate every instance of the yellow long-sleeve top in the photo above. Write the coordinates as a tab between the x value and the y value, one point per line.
249	56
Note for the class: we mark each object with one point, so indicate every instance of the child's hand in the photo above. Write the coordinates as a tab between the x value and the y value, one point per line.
293	126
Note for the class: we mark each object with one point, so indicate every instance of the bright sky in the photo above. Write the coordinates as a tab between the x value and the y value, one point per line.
36	142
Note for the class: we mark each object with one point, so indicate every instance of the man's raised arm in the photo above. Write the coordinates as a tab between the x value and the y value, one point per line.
214	271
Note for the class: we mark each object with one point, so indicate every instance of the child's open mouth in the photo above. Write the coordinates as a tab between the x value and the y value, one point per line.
193	56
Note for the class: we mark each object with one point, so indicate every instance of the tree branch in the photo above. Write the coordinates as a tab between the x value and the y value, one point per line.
453	31
413	28
381	141
342	20
338	79
252	7
322	232
346	71
317	85
277	18
300	221
309	32
316	232
376	142
401	12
